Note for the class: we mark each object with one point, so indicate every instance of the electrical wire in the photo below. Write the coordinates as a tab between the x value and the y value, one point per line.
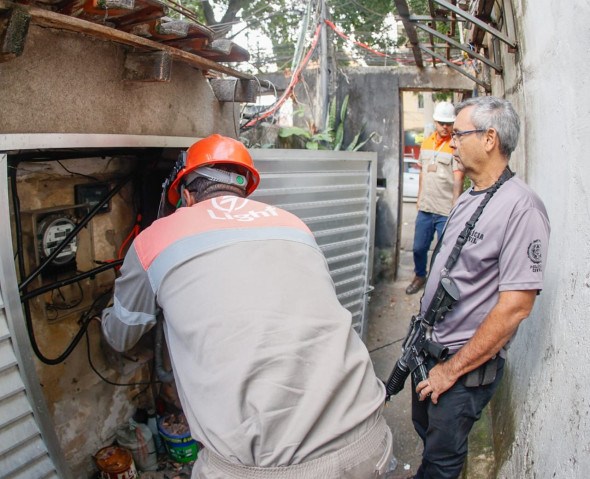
76	173
106	380
292	83
360	44
373	12
55	308
132	234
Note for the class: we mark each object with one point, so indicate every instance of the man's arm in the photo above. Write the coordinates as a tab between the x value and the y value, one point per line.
419	188
495	331
134	307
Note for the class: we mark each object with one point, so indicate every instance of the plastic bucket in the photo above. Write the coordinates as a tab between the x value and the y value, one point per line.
181	448
115	463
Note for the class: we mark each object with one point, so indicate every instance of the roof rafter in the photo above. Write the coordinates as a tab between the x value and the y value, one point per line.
450	41
455	67
404	13
476	21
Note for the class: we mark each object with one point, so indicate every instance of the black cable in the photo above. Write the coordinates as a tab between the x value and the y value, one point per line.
108	381
76	173
62	357
386	345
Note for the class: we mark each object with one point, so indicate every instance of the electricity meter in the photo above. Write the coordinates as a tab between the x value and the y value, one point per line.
52	230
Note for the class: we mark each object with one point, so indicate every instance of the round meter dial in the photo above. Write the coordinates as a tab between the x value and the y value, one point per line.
52	231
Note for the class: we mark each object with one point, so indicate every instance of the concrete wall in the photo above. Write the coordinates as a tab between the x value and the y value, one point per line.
375	104
69	83
542	421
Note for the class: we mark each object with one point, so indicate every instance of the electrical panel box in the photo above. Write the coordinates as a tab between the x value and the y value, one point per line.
91	195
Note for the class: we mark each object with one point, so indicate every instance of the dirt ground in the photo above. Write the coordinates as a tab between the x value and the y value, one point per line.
390	310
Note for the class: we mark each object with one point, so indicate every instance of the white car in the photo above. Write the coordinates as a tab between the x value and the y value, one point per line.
411	177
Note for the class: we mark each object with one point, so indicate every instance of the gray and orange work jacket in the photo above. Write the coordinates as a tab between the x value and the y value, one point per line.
267	366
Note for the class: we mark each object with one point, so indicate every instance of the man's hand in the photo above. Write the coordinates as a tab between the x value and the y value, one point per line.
439	380
498	327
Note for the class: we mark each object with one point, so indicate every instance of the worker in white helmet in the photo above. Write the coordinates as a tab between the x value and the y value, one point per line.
441	183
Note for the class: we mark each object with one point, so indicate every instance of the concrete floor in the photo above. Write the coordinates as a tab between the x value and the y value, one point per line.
390	310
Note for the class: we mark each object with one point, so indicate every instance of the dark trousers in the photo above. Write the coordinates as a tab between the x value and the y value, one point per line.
444	427
426	225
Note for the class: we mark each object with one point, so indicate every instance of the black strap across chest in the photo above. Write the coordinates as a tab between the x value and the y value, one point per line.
464	235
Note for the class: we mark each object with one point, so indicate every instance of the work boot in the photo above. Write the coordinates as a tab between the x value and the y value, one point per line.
416	285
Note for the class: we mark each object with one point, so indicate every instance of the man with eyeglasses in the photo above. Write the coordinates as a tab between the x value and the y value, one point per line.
441	183
498	273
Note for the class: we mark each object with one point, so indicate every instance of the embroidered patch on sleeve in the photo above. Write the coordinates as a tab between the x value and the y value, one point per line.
535	255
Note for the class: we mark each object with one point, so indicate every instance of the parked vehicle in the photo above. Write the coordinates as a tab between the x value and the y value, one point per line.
411	170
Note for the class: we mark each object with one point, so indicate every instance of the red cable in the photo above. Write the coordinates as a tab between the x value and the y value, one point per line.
132	234
292	83
360	44
295	78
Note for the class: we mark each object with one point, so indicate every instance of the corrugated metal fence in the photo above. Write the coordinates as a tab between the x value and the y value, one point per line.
23	451
335	194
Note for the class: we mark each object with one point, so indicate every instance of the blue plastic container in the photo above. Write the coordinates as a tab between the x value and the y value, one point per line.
181	448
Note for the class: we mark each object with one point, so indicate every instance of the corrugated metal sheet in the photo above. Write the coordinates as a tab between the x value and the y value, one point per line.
22	451
334	193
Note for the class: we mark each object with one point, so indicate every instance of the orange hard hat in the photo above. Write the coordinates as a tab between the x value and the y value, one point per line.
215	150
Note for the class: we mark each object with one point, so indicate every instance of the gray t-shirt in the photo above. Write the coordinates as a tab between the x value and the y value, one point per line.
506	251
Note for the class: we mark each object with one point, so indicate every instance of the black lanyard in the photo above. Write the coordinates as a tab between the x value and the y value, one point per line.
464	235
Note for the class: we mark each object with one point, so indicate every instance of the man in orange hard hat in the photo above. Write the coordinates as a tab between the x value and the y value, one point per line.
271	376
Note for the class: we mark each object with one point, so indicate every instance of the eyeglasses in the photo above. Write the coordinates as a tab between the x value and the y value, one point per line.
445	123
459	133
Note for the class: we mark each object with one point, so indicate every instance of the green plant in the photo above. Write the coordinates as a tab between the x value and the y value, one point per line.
332	137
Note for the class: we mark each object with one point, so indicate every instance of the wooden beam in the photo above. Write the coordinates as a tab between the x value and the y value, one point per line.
45	18
404	13
450	41
428	18
432	14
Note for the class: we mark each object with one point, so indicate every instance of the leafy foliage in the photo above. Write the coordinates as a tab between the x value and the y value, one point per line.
332	137
280	20
367	21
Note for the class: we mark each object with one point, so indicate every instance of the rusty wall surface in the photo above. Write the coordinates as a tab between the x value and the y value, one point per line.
85	409
69	83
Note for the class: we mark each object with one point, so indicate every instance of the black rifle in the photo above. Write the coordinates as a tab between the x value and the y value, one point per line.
418	344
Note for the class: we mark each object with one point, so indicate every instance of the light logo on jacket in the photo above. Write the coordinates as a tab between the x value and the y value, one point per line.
225	208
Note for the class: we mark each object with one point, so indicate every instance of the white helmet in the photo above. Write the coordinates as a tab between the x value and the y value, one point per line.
444	112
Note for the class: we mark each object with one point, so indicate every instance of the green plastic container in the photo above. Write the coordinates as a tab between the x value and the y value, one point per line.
181	448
